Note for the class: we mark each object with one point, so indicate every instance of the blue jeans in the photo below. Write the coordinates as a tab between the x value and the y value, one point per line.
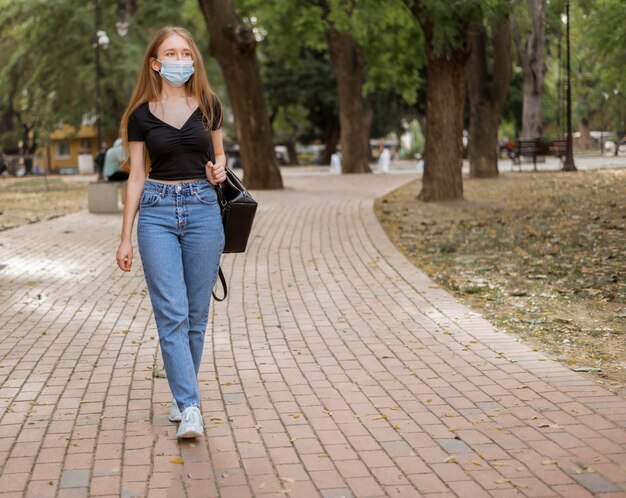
180	239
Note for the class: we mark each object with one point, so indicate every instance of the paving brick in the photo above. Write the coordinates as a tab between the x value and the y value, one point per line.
330	372
74	478
595	482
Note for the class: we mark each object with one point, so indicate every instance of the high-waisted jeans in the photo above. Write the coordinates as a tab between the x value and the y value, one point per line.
180	239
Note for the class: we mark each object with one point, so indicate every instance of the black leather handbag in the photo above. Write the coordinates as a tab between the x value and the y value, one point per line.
238	211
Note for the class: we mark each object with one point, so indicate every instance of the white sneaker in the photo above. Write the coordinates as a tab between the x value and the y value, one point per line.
191	425
175	415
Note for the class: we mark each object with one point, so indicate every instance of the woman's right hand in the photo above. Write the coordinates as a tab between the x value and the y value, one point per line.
124	256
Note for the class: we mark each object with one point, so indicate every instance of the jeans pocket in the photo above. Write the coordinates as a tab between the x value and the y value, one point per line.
149	199
206	196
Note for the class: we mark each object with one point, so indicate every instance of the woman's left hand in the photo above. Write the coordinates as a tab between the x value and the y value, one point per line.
216	173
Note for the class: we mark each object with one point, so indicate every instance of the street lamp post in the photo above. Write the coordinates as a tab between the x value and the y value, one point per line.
568	164
101	42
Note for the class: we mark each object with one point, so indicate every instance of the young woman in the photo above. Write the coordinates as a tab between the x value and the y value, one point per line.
174	115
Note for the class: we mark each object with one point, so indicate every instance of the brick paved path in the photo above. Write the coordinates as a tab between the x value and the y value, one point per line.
335	369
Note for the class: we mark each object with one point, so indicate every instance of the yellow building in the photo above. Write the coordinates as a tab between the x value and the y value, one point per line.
66	144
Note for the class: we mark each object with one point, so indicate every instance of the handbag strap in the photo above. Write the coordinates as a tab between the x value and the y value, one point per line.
223	281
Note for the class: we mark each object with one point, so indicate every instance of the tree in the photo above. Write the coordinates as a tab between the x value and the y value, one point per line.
445	28
529	36
366	43
599	91
302	95
355	117
487	94
47	61
233	44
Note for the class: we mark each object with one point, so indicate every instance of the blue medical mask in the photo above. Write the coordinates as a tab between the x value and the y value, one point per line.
177	73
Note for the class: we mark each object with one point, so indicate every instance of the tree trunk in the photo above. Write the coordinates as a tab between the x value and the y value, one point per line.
354	115
487	96
531	59
585	142
445	98
331	140
125	11
292	160
233	45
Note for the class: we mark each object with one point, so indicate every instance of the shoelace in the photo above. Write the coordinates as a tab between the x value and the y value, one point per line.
191	414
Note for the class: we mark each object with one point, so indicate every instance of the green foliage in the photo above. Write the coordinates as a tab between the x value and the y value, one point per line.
290	122
449	20
47	58
47	73
598	31
296	67
304	87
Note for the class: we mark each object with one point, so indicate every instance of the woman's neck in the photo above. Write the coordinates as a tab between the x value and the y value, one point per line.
172	93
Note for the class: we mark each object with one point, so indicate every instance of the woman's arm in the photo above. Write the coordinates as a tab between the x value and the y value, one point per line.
216	173
136	180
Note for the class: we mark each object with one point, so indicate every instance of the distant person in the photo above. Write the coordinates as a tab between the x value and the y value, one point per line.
508	147
175	116
114	164
620	150
4	169
384	161
420	163
335	163
99	160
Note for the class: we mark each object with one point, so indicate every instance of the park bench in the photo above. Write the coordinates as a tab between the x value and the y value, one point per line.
529	147
534	147
559	148
106	197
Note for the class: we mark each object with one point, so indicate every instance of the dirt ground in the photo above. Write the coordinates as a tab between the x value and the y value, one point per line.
541	255
26	200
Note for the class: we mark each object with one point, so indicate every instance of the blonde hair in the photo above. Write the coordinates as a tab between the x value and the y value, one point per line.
148	87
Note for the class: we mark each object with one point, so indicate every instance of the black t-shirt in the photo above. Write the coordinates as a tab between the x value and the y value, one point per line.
176	154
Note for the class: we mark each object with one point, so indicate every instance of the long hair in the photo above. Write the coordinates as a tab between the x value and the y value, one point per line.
148	87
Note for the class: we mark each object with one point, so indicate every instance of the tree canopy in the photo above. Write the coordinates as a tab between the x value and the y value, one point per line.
47	74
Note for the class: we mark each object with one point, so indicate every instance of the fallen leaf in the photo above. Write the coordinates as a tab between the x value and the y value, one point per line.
177	460
451	459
